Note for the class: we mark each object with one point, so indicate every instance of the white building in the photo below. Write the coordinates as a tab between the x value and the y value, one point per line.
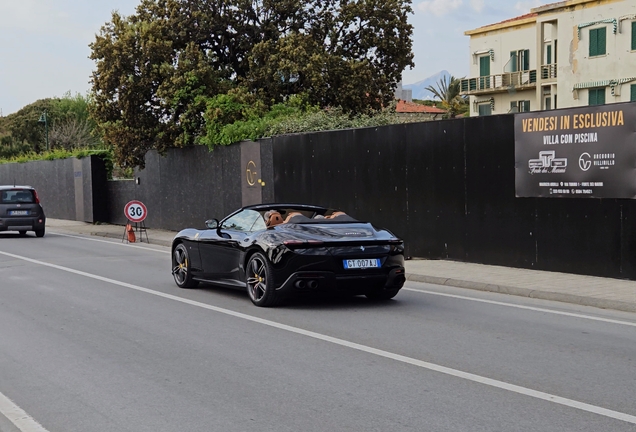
566	54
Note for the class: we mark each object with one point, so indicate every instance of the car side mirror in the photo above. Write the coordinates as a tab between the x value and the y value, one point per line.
212	223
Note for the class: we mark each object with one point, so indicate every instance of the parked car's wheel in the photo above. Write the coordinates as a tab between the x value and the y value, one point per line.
382	294
39	233
259	286
181	269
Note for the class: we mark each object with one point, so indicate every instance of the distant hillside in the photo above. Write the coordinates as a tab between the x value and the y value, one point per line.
419	88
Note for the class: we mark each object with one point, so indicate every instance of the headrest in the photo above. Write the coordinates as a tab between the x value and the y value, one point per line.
273	218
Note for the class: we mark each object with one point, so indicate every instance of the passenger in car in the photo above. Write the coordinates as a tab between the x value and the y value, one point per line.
291	215
296	217
272	218
340	216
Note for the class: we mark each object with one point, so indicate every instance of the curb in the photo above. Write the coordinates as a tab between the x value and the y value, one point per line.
525	292
166	243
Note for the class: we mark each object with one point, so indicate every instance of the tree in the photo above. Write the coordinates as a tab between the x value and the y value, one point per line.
448	92
350	54
71	134
156	70
23	131
24	128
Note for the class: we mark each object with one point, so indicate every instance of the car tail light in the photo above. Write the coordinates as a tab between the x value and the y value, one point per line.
293	243
37	198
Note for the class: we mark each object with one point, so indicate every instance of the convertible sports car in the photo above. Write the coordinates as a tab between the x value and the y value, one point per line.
275	250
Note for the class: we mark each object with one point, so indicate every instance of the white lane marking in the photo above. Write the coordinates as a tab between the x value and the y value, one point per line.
530	308
110	242
18	416
370	350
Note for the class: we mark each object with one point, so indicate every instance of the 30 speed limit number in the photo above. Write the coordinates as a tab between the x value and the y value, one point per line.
135	211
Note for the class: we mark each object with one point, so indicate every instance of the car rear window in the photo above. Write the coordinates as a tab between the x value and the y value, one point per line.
17	196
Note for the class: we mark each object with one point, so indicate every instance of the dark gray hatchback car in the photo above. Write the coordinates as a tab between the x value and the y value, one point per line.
20	210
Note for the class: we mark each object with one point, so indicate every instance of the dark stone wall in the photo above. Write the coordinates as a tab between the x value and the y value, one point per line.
71	189
182	189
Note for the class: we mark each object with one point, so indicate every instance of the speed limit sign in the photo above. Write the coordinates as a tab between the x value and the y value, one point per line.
135	211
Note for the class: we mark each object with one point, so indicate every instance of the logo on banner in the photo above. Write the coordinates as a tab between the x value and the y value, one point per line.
585	162
548	163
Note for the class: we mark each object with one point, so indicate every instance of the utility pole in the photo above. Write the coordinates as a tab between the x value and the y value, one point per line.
44	118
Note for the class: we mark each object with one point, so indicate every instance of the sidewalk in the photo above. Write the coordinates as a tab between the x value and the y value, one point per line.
583	290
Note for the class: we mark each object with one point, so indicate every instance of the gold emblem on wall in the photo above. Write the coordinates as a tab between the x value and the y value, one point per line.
252	175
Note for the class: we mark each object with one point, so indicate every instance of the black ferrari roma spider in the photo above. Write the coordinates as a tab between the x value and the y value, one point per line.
277	249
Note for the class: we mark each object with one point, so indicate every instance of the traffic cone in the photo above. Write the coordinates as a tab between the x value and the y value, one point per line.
131	233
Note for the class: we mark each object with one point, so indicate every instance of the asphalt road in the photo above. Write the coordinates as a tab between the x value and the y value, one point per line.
95	336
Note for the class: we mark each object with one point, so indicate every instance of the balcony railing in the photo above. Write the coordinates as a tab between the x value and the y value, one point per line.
499	83
549	71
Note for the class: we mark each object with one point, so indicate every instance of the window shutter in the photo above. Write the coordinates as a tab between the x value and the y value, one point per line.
484	66
513	61
526	60
549	55
484	110
633	93
634	35
596	96
526	106
601	41
593	43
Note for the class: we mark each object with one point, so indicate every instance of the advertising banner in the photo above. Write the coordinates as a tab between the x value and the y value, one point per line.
587	152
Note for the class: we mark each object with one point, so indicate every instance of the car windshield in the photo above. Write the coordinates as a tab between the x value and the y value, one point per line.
245	221
17	196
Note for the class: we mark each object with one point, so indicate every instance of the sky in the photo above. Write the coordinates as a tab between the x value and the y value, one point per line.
44	48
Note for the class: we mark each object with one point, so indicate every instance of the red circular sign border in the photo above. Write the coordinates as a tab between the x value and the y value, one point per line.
127	206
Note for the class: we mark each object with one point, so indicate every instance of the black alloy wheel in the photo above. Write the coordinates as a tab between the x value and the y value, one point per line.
259	284
181	270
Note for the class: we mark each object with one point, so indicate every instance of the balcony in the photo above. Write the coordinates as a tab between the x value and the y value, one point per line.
549	72
522	80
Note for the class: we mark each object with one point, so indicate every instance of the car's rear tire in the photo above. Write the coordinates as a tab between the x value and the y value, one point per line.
259	285
382	294
39	232
181	268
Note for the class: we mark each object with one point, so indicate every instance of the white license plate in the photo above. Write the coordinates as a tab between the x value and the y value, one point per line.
361	263
18	213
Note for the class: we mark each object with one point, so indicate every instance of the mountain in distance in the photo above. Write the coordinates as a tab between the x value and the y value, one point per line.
419	88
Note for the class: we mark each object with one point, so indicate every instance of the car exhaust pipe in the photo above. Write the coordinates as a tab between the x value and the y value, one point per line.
300	284
312	284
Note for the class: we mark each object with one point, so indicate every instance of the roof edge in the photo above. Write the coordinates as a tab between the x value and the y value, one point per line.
521	20
560	5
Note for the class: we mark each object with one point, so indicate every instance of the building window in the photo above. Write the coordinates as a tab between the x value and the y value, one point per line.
485	109
596	96
597	42
548	103
519	60
520	106
632	96
633	35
